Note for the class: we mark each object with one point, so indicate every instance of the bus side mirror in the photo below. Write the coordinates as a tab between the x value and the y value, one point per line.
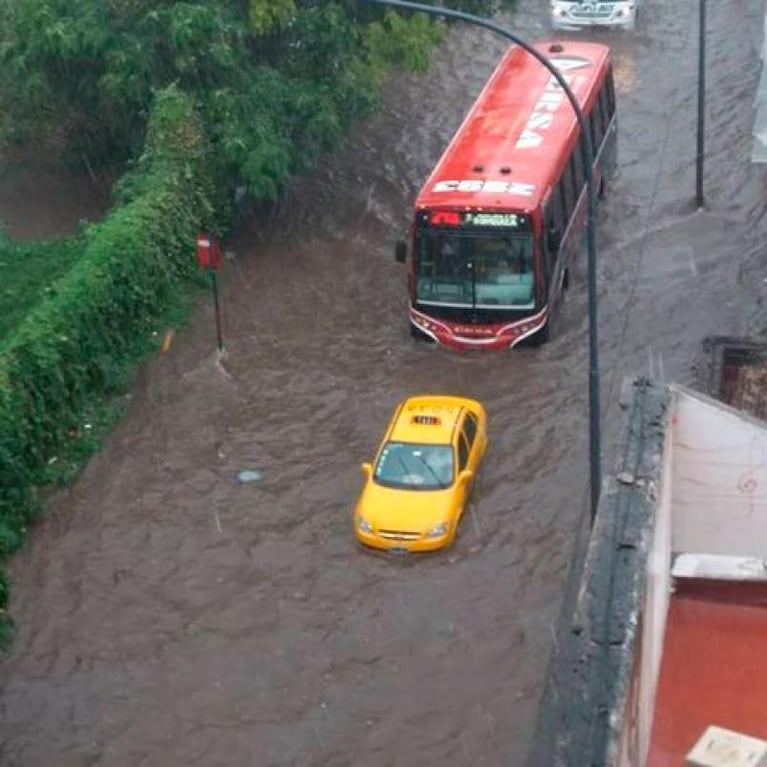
553	239
400	251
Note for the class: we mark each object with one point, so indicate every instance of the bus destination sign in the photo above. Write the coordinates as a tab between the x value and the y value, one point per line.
510	220
475	218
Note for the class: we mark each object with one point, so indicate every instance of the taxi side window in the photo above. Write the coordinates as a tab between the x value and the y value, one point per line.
470	428
463	452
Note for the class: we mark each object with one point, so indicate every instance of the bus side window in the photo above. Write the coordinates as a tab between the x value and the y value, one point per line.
596	139
561	209
554	214
572	172
610	87
566	192
549	226
582	163
597	132
604	118
552	234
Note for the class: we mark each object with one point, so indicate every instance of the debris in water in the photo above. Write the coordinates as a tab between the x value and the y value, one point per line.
249	475
167	341
626	478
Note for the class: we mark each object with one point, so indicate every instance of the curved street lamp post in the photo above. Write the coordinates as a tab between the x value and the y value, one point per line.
588	157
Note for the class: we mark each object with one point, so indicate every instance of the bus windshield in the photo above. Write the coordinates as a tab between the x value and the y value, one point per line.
481	271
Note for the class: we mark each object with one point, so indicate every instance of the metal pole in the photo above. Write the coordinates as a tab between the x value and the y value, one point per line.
699	201
588	152
214	286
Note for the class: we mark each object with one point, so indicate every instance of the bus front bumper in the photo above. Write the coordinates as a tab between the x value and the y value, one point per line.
482	337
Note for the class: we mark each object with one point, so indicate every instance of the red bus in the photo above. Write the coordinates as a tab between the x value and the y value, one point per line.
503	213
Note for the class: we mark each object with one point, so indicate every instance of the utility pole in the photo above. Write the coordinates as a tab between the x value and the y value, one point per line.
699	201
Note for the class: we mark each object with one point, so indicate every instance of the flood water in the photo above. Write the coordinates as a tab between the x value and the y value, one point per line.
170	615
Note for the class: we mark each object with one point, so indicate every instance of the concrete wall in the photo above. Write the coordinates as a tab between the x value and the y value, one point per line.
719	478
637	715
657	594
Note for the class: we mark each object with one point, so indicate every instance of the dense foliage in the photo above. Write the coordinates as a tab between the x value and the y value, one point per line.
276	81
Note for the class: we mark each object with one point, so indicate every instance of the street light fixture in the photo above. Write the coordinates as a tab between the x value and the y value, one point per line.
588	158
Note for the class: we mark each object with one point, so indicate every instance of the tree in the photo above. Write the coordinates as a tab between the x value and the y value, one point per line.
276	82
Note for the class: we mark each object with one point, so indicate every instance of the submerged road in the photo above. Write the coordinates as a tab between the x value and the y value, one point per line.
169	615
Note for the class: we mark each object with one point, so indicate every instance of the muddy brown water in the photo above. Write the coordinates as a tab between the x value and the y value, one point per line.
169	615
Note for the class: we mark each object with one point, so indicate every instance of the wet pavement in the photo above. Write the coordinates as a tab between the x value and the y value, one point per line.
171	615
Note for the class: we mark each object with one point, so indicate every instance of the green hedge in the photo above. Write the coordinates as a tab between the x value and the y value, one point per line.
77	348
27	273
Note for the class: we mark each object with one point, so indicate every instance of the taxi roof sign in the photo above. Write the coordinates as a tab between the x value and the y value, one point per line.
426	420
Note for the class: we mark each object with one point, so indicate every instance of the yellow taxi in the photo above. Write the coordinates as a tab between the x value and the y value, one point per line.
418	486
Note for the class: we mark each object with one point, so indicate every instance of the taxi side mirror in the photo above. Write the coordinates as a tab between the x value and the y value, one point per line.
466	476
400	251
367	470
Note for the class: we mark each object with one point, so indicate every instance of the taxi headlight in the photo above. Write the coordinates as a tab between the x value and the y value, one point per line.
437	531
364	525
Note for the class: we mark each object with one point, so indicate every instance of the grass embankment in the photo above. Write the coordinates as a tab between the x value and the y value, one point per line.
76	329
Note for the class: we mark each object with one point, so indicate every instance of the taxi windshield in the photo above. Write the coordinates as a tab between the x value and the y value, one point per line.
414	466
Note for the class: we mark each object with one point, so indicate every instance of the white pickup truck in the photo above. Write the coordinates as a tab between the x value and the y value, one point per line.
575	14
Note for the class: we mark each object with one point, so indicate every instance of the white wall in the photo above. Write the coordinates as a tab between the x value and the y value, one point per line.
719	478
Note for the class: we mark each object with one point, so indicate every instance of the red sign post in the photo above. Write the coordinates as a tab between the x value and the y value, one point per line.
209	258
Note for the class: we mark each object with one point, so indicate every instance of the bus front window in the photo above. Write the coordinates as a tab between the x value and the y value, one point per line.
444	270
493	271
504	272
